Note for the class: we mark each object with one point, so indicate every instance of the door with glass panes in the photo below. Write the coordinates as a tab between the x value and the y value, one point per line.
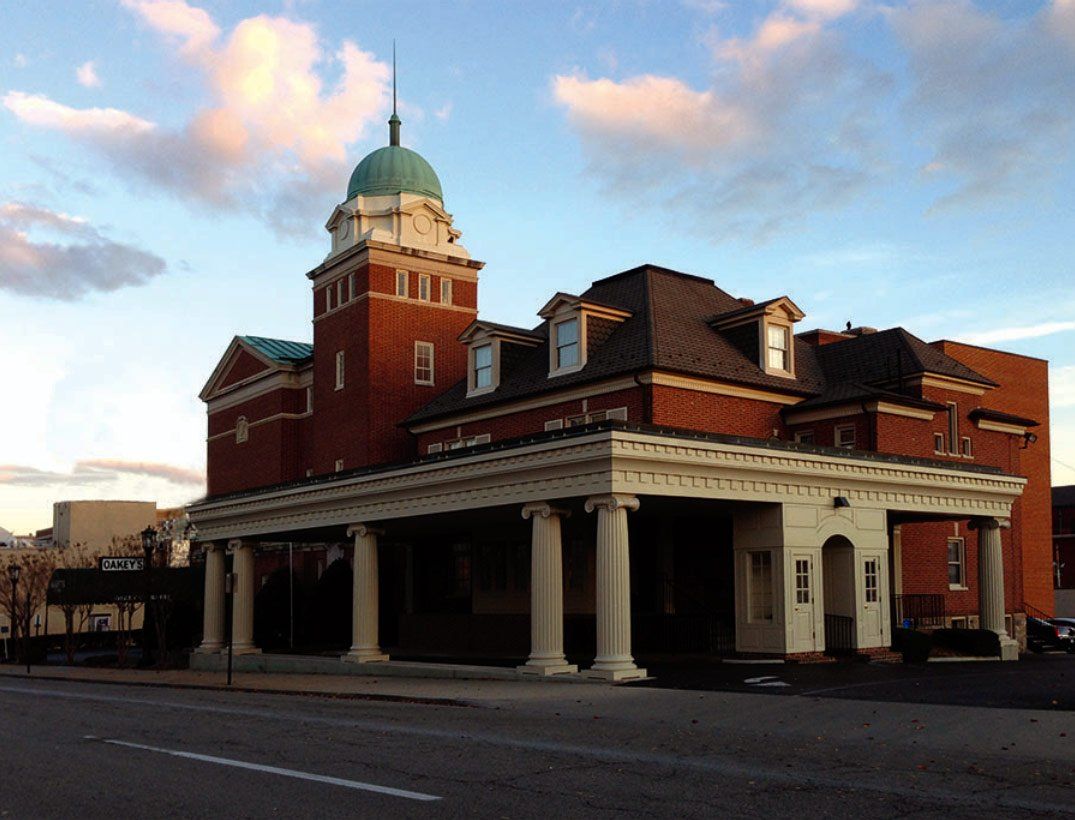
802	602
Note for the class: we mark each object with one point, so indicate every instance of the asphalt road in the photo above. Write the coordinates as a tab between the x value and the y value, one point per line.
1045	681
89	750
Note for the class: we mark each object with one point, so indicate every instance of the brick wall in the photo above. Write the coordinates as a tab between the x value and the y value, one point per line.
713	413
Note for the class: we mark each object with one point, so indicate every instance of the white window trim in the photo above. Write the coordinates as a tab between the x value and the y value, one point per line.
340	373
494	376
425	287
751	592
446	288
309	399
836	436
339	465
952	418
962	585
966	447
350	287
432	364
328	298
403	277
801	433
554	322
789	335
939	451
242	430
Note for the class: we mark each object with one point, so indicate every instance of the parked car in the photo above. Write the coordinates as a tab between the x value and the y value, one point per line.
1042	635
1069	625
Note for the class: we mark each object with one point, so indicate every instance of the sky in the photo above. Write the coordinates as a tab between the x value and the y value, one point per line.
166	169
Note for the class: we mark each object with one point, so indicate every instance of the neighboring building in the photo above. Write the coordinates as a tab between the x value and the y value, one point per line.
805	490
1064	549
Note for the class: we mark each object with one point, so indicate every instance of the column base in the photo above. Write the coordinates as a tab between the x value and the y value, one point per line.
249	649
209	649
1009	649
616	673
545	670
364	656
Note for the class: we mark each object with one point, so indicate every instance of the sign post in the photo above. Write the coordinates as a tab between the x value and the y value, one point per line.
229	594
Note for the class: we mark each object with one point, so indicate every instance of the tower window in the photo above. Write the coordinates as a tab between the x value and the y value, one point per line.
968	448
483	366
567	343
328	298
350	286
423	363
339	370
403	284
938	442
445	291
242	430
953	427
423	287
339	291
309	399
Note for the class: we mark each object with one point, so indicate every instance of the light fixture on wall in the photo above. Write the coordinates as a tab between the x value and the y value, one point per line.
841	501
1028	439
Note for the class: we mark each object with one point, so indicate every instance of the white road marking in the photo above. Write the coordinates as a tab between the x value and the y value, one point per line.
759	679
257	767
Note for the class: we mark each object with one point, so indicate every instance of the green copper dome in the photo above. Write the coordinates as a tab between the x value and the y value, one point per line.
393	170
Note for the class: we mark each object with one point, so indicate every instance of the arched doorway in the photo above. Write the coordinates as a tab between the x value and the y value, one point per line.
838	581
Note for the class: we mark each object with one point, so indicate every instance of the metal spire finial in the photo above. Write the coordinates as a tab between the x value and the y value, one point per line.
393	121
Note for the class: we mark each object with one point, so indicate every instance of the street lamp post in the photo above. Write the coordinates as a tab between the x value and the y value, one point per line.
149	543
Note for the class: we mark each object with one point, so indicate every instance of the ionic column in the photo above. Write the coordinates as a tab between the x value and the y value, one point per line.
991	583
613	660
365	602
242	612
546	593
213	608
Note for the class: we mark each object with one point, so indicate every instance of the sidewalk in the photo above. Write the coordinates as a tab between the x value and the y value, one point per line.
432	691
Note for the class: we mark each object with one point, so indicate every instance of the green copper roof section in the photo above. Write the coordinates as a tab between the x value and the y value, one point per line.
281	350
393	170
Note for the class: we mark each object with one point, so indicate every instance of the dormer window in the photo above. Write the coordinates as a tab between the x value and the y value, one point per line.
483	367
567	343
778	338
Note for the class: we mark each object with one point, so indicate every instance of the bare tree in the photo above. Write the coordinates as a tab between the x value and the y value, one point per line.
126	609
76	611
35	570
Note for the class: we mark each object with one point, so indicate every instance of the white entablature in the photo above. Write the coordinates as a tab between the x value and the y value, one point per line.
405	219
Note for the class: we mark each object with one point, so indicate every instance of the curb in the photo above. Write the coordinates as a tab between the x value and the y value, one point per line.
369	696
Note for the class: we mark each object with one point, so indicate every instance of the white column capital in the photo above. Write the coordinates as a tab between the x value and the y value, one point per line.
211	546
612	501
236	544
989	524
362	530
543	509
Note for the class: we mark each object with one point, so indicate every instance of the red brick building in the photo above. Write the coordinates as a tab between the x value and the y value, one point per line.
795	490
1064	549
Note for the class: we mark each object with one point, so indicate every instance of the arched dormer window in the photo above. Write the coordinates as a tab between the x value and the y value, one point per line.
242	430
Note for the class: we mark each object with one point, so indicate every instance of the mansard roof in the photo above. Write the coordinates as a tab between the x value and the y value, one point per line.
670	329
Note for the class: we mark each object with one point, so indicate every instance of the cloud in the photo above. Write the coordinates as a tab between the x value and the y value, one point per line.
991	97
20	61
168	472
444	112
86	74
784	129
1010	334
87	261
98	471
269	131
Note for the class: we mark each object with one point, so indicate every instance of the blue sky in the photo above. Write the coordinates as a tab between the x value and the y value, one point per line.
166	169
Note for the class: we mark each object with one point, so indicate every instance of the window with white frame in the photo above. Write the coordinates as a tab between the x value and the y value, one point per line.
445	291
802	580
953	427
619	413
483	366
466	441
967	447
351	286
870	580
242	430
309	399
845	436
423	287
568	349
339	291
328	298
339	370
761	587
938	443
778	346
403	283
957	563
339	464
423	363
805	437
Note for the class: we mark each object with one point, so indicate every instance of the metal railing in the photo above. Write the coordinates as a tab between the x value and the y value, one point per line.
839	633
923	611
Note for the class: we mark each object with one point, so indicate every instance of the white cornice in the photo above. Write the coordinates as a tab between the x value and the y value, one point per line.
266	420
265	383
1001	427
611	461
720	388
856	408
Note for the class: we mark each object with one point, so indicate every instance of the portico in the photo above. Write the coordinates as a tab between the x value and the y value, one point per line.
792	539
